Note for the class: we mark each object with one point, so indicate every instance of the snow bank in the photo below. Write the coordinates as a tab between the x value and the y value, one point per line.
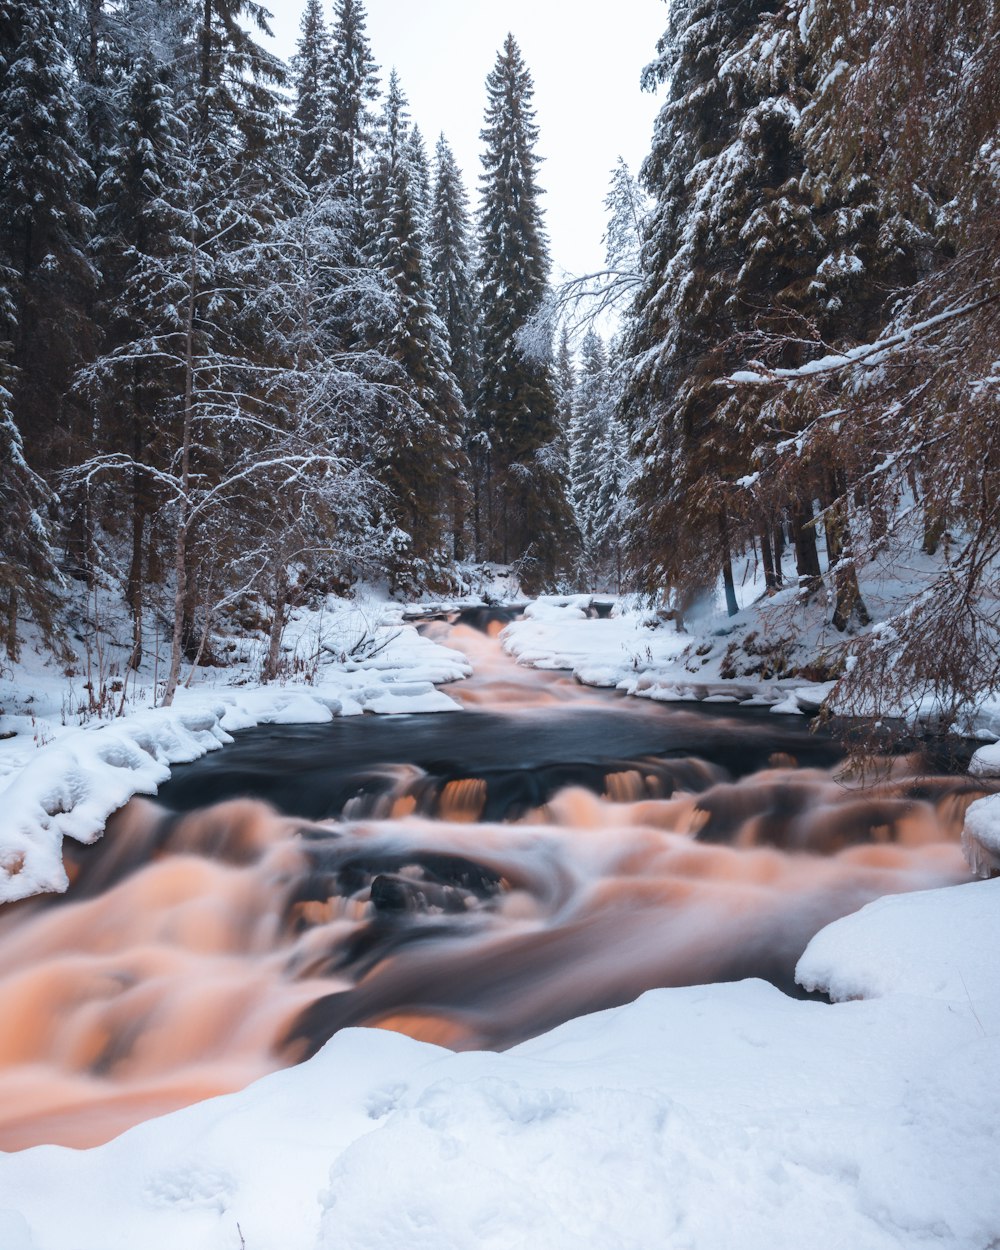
709	1118
69	787
938	944
627	653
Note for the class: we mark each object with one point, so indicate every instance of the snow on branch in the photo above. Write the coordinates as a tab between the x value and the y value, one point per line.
868	355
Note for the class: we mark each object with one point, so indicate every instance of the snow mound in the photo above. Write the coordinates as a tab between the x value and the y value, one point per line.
626	652
937	944
69	788
986	761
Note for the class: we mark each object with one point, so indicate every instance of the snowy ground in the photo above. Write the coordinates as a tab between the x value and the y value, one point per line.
63	771
705	1118
720	659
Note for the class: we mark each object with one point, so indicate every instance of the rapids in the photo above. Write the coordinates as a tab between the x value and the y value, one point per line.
470	879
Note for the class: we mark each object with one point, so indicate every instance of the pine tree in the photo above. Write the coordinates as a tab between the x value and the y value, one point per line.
452	271
311	69
421	450
354	80
528	516
45	226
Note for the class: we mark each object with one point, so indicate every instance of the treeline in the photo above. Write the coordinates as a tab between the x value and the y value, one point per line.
254	339
812	354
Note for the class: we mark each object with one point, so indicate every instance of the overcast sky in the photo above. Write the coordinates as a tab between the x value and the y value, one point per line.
585	56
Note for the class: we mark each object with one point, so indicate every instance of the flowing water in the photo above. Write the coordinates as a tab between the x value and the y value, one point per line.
468	879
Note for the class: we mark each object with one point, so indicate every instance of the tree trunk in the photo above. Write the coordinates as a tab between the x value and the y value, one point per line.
277	630
850	607
180	594
190	634
806	553
135	571
201	650
135	585
205	55
772	579
13	646
184	520
778	543
933	530
732	607
477	492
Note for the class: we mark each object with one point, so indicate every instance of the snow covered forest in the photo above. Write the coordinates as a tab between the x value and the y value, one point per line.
260	338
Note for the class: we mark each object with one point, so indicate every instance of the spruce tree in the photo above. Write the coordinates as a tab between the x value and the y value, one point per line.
721	170
236	74
421	456
592	408
29	576
527	513
139	220
44	225
627	206
354	83
565	379
311	69
452	272
390	139
420	170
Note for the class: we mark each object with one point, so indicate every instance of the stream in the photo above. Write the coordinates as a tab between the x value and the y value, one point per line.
471	879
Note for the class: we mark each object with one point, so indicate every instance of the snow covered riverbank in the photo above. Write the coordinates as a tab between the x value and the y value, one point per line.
724	661
632	651
64	780
706	1118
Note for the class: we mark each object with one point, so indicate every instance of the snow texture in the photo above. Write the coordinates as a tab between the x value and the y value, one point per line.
708	1118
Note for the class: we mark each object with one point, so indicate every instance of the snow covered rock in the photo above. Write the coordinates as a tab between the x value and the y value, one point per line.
938	944
981	836
986	761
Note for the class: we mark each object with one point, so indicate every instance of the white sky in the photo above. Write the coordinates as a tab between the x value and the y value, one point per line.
585	57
